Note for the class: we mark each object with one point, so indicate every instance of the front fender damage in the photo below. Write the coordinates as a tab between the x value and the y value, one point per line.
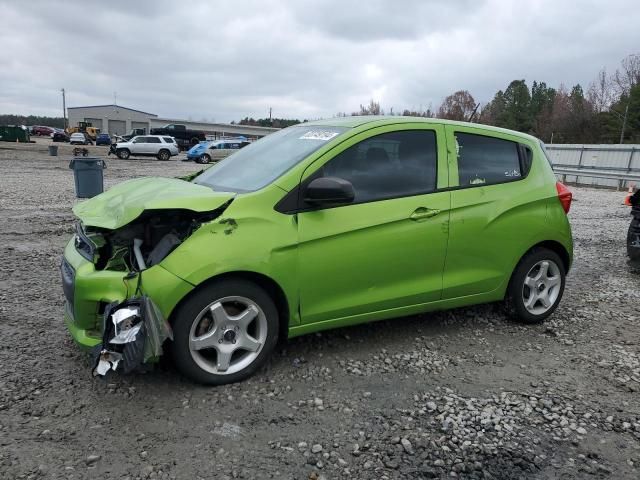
134	330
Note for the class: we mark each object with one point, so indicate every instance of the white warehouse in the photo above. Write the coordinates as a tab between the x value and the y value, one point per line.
119	120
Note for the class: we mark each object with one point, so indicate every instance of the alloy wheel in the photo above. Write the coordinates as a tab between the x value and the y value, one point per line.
541	287
228	335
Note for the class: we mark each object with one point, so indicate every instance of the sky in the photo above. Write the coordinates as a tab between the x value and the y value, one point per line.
226	60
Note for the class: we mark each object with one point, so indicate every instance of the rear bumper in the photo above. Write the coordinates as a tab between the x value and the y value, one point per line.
88	291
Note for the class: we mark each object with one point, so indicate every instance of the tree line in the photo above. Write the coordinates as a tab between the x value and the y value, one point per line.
9	119
608	112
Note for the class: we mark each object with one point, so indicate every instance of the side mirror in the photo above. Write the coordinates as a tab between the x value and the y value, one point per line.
329	190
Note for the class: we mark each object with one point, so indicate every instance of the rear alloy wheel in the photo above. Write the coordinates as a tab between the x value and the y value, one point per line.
204	158
123	153
536	286
224	332
164	155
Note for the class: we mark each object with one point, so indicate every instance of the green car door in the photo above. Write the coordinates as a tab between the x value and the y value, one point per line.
498	208
386	249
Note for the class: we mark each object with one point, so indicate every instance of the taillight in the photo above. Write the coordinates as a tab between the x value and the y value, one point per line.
565	196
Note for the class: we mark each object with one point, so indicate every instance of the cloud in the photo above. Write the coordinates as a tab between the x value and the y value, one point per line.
304	59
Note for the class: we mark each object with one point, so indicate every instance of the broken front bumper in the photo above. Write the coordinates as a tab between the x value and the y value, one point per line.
88	291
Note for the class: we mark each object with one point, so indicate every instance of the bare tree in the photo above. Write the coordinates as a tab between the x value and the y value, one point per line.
372	109
601	92
628	75
458	106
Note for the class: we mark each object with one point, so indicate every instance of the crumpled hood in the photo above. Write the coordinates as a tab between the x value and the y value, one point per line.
125	202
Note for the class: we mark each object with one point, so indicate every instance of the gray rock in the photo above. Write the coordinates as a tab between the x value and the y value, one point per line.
406	444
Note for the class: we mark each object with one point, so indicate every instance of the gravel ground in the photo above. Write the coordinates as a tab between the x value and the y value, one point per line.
464	393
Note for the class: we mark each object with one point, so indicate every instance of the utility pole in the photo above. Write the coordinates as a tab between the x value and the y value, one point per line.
270	122
64	111
624	122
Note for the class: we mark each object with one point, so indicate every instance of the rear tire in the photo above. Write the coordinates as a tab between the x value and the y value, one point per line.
633	241
123	153
233	350
536	286
204	159
164	155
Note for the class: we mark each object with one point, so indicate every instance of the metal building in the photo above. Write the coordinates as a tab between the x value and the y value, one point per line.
112	119
119	120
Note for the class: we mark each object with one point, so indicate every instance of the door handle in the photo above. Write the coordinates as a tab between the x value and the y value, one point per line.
422	213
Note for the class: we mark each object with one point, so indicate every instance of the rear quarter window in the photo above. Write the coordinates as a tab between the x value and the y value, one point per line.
168	139
484	160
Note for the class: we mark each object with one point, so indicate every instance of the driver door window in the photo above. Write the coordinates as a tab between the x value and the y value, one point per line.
390	165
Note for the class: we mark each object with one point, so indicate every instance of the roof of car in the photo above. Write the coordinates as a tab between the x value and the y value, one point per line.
379	120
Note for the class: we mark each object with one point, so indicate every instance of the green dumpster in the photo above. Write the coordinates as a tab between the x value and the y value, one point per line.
12	133
87	172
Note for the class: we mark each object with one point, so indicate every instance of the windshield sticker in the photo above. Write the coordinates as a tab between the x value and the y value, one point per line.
322	135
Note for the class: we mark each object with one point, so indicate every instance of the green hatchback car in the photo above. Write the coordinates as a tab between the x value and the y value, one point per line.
323	225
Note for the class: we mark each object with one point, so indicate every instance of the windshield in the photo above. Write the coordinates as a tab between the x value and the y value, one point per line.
260	163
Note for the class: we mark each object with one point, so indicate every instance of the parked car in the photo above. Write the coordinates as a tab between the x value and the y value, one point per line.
134	132
201	153
42	130
60	136
161	146
323	225
103	139
184	136
80	138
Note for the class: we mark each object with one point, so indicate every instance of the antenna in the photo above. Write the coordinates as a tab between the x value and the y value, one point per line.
473	114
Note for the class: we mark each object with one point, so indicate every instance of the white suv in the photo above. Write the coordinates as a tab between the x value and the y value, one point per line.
159	146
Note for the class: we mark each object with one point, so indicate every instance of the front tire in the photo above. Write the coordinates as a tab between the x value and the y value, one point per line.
204	159
123	153
224	332
536	286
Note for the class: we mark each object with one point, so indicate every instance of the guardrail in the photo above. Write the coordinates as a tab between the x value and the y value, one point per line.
606	165
607	173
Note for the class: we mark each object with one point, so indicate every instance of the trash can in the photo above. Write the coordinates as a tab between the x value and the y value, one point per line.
87	172
53	150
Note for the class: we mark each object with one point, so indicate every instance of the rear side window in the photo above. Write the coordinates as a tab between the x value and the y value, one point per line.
153	140
168	139
396	164
486	160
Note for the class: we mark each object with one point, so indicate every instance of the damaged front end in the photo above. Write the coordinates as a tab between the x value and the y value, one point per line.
113	264
133	334
144	242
